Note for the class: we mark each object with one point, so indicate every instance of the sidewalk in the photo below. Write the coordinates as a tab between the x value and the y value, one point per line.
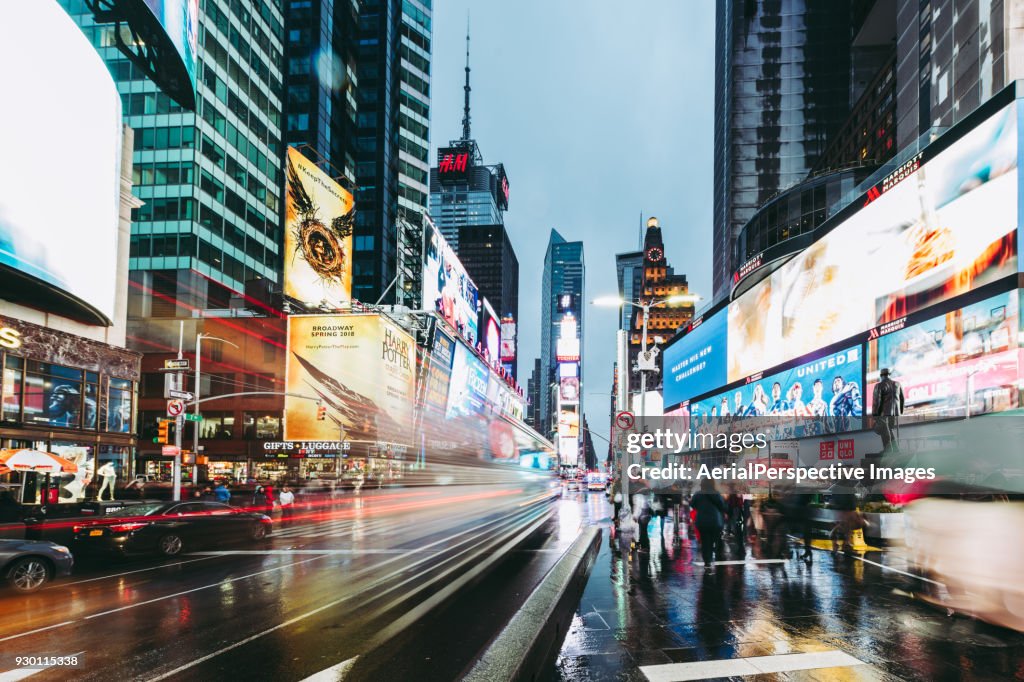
659	617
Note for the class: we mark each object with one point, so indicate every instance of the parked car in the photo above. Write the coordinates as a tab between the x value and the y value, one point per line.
27	565
169	528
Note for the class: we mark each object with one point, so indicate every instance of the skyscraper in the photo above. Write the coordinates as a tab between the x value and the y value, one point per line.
320	81
782	89
211	180
488	256
392	148
629	273
463	190
561	296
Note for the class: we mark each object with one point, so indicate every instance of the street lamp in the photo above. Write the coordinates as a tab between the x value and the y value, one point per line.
645	306
195	426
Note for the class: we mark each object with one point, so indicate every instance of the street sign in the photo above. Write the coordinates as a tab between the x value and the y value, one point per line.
170	450
193	417
181	395
624	420
175	408
176	365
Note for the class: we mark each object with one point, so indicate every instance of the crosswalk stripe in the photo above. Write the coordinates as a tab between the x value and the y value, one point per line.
756	665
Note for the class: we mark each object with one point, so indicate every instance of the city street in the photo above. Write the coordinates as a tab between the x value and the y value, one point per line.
658	617
315	595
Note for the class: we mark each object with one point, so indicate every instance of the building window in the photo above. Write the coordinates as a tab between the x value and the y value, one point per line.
119	406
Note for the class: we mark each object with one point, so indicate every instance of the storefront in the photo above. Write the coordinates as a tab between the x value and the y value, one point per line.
72	397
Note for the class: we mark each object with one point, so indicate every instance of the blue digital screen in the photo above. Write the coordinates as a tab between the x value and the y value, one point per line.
697	363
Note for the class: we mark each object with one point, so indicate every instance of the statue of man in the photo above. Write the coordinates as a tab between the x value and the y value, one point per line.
887	408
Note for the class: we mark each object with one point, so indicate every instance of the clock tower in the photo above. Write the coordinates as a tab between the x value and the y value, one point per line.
659	281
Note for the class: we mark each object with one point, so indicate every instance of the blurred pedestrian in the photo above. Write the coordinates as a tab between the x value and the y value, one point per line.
208	495
222	493
259	497
616	501
734	504
644	515
710	519
287	500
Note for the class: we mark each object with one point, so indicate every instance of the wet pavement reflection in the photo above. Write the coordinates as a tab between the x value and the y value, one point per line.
642	612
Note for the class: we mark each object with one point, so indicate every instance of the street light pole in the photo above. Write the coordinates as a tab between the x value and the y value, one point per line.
195	425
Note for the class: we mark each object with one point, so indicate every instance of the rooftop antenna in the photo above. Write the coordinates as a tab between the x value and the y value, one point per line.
466	88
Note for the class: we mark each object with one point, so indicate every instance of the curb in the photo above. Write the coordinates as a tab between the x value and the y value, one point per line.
531	639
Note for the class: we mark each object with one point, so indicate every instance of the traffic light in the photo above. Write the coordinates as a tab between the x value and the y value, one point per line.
163	426
321	413
187	457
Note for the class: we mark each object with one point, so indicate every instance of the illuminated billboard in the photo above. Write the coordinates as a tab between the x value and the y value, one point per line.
491	329
454	164
439	373
319	216
363	370
60	176
447	288
824	395
944	229
180	19
508	339
568	423
467	392
569	390
696	364
937	361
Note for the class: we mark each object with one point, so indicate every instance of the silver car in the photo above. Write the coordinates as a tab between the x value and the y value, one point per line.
27	565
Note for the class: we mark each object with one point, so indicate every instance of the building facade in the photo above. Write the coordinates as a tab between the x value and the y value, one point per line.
561	295
629	273
782	89
393	56
487	254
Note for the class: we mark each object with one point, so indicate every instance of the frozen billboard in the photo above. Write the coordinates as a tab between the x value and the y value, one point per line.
362	368
447	287
319	216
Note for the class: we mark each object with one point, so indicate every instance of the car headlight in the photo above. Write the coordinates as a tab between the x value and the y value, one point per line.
62	549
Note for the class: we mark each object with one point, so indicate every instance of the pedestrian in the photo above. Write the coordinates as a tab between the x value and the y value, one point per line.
710	519
208	495
287	499
616	501
644	519
663	504
734	503
259	498
222	493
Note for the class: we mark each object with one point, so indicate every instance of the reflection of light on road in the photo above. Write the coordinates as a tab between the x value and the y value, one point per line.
570	519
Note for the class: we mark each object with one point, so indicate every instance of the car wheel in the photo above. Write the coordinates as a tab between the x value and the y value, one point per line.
170	545
258	532
28	574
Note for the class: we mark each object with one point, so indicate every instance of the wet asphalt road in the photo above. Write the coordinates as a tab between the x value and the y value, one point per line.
642	613
324	590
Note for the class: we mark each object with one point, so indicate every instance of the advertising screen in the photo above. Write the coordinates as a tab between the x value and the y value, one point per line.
934	360
60	173
439	373
820	396
508	339
946	229
180	19
568	423
467	393
696	364
491	332
453	164
568	450
319	216
569	390
362	368
446	286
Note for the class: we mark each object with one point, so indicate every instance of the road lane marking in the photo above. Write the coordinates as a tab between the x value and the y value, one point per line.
32	632
896	570
756	665
276	552
741	562
117	575
198	589
334	673
359	574
21	673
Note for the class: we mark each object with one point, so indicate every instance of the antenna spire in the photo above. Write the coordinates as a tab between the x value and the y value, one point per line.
466	88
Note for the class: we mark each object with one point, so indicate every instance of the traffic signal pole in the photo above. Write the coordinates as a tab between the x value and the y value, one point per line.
178	425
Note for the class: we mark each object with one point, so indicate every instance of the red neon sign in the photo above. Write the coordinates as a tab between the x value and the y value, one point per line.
454	163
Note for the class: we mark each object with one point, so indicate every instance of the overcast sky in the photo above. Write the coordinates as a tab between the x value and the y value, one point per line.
600	111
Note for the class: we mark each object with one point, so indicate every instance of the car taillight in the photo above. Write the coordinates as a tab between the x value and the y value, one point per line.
126	527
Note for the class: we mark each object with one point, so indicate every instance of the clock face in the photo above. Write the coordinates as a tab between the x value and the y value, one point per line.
654	254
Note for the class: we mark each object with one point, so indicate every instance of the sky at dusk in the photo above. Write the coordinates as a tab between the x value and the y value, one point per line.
599	116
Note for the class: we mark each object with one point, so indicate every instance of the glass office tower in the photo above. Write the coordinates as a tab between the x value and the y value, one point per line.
563	276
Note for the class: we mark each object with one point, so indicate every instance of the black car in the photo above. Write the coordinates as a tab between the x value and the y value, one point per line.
27	565
170	528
